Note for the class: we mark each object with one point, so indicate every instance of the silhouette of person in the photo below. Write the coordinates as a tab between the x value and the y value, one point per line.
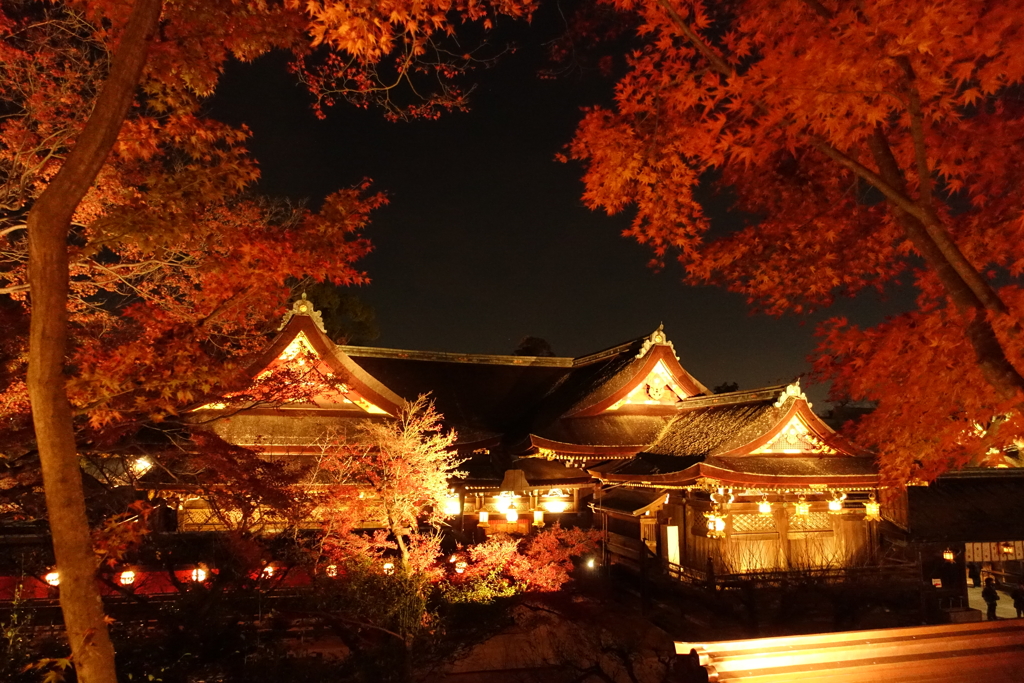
1018	599
991	597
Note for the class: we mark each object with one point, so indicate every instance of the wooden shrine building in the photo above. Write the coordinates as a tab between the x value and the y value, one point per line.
750	480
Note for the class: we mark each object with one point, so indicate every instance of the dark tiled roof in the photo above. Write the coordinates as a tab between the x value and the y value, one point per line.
478	399
971	506
715	429
797	465
607	430
544	472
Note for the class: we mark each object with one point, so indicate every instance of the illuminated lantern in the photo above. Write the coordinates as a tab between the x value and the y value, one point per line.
802	507
835	506
268	572
555	505
198	575
141	466
538	518
331	570
716	525
484	517
764	507
512	516
872	508
460	567
591	563
948	555
389	568
1006	548
452	506
126	578
53	578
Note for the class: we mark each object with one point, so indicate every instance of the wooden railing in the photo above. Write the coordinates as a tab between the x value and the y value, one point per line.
635	554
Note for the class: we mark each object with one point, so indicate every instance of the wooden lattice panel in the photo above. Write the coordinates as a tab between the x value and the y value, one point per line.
753	524
815	521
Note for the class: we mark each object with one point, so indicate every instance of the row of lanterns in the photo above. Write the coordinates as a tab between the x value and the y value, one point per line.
196	575
801	508
506	504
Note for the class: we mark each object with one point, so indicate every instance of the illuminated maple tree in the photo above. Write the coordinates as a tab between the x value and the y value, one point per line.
115	116
866	142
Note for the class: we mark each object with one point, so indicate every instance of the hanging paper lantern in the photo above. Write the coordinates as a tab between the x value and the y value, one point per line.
802	507
872	508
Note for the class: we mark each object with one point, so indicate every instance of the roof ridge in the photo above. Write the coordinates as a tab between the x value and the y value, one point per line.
451	357
733	397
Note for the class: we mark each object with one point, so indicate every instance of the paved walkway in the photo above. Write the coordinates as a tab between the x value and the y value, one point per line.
1004	608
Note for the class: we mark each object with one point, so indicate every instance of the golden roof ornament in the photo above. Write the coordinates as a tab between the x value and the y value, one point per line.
793	391
656	338
304	306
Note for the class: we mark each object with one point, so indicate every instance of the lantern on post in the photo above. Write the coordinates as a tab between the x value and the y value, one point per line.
802	508
872	508
835	505
716	523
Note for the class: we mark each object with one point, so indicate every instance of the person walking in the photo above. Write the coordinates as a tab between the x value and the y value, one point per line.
991	597
1018	599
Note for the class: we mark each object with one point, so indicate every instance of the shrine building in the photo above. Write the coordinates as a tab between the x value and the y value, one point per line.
624	438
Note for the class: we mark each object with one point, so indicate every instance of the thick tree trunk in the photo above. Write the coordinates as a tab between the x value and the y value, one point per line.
988	349
48	226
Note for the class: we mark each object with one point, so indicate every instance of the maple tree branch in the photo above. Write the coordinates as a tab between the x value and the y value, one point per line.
819	8
890	191
924	176
721	66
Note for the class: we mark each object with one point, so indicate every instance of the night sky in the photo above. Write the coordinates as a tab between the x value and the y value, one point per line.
486	239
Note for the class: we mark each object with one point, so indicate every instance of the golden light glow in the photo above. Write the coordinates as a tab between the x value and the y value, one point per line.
389	568
538	518
948	555
795	437
484	516
764	507
452	506
716	524
802	508
658	388
53	578
1006	548
331	570
198	575
872	508
141	466
126	578
512	516
556	505
835	505
268	571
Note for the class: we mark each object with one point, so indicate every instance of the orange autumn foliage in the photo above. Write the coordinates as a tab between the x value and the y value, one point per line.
864	143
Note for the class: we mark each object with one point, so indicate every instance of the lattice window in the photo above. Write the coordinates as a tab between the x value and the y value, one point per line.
815	521
753	524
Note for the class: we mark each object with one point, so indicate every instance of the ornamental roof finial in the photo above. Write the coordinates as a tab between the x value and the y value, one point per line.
792	391
656	338
304	306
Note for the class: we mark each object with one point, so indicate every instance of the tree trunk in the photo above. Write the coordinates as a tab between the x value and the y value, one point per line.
989	353
48	225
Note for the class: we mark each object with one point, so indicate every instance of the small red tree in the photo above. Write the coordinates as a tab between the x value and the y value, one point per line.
867	140
396	470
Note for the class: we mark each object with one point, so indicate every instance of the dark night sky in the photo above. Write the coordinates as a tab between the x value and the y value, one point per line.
486	239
